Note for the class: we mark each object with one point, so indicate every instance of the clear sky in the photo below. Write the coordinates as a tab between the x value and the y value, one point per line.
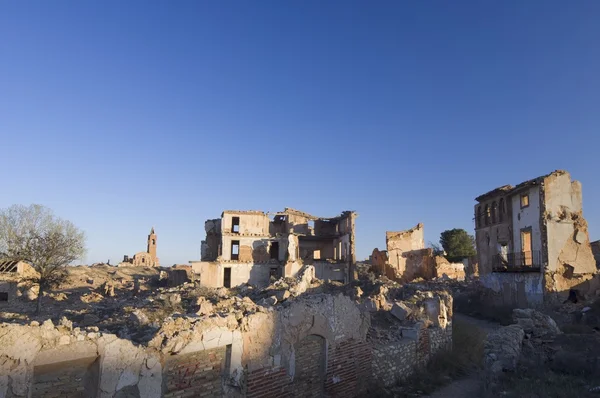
123	115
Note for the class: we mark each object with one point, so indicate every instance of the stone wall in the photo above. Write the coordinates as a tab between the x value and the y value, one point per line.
314	345
394	361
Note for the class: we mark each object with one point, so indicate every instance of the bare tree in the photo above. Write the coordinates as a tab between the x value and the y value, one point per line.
35	235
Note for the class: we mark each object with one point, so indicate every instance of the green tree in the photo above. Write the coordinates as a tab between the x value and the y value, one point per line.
35	235
457	244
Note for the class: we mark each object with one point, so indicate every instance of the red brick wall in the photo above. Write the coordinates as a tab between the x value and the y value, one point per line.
268	383
348	368
348	371
195	375
309	379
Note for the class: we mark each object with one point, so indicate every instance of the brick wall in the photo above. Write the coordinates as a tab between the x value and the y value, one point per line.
268	383
394	361
69	379
348	368
309	379
195	375
351	365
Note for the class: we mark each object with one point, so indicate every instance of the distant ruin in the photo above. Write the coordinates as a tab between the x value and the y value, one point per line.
407	258
144	259
253	246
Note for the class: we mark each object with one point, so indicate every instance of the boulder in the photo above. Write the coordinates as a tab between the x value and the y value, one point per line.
535	323
139	318
400	310
282	295
502	350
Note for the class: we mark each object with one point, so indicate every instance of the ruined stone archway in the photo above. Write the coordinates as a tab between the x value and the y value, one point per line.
310	367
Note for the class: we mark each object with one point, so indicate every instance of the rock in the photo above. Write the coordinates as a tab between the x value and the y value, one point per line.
108	289
139	318
92	297
268	301
535	323
400	310
59	296
90	281
64	322
502	350
34	323
174	298
370	305
206	308
31	294
357	292
222	292
48	325
282	295
64	340
90	319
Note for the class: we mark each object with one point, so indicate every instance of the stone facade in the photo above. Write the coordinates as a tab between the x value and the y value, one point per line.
532	241
144	259
252	246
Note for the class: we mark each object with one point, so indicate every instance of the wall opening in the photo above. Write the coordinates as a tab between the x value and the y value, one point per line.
502	210
524	200
227	277
494	212
3	296
274	250
235	249
317	254
227	365
235	225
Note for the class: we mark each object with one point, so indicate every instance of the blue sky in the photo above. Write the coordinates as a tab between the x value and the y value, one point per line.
124	115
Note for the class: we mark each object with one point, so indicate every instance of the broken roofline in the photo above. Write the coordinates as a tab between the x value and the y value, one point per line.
288	211
509	189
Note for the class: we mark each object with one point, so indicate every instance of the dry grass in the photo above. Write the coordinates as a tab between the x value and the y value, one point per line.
464	358
543	383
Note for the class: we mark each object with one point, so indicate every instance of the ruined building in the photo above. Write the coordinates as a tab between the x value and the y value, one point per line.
251	246
144	259
407	258
532	240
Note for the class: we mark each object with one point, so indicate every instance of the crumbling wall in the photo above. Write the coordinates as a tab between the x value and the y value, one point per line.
569	253
511	289
209	249
596	251
451	270
403	241
378	260
250	222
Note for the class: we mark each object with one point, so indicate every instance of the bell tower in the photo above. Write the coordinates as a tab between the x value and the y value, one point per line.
152	244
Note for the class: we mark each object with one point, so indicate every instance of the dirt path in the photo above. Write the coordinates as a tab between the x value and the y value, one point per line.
468	387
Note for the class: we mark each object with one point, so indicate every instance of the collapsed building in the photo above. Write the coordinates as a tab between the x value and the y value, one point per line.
407	258
253	246
532	241
312	341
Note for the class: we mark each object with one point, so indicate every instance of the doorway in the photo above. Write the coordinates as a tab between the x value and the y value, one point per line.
526	247
227	277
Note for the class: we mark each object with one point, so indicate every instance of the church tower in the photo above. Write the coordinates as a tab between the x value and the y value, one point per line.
152	245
